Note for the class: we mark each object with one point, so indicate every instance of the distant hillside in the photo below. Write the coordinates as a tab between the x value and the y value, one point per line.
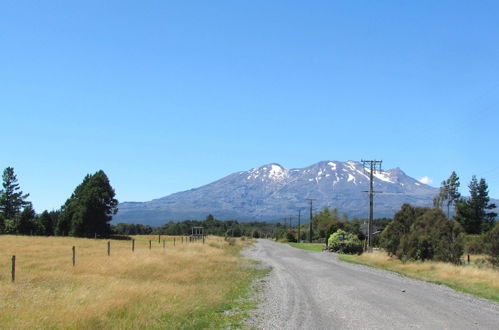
271	192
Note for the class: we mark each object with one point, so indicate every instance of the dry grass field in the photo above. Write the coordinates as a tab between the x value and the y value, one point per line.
187	286
477	278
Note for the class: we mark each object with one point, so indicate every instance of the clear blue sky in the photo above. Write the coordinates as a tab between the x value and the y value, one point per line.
166	96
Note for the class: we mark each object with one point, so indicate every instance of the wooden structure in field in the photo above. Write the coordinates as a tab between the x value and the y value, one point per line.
197	233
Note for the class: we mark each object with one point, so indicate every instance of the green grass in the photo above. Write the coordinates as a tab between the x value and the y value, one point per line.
476	280
308	246
239	302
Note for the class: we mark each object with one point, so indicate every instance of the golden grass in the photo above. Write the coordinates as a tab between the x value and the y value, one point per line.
475	279
186	286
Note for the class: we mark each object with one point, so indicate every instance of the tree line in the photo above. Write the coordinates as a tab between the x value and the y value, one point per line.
86	213
211	226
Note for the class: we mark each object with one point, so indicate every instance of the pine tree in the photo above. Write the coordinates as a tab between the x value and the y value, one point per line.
47	222
12	199
453	194
473	213
26	221
484	199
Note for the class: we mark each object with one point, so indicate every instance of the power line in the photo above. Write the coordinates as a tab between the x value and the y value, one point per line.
373	166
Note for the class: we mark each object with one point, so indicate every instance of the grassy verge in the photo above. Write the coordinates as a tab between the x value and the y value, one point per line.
475	279
307	246
186	286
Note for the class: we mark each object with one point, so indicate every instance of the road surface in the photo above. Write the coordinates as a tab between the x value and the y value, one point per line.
314	290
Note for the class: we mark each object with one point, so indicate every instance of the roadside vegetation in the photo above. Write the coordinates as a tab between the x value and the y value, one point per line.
425	243
478	278
308	246
186	286
461	252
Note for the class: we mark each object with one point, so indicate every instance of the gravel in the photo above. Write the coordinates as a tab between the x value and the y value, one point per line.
314	290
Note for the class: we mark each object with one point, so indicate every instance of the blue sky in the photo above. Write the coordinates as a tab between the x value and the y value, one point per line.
166	96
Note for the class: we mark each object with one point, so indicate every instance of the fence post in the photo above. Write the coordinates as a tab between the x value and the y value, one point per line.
108	248
159	238
182	239
74	256
13	272
163	244
203	239
468	259
149	244
174	241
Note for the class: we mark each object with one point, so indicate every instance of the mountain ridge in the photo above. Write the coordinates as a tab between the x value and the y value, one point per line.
271	191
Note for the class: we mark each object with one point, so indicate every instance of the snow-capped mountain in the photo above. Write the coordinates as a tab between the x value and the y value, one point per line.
271	192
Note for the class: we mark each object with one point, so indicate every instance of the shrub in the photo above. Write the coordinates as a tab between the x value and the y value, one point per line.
344	242
474	244
291	236
491	244
423	234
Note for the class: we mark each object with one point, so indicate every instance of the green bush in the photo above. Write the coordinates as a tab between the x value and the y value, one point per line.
344	242
491	244
292	235
474	244
419	233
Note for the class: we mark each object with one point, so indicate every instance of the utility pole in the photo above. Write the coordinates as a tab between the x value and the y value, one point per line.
310	200
299	213
373	166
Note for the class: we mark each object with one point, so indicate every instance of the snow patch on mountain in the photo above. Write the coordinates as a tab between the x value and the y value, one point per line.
271	191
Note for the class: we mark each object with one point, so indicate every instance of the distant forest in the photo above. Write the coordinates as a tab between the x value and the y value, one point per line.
323	222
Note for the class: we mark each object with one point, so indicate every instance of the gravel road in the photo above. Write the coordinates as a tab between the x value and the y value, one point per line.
314	290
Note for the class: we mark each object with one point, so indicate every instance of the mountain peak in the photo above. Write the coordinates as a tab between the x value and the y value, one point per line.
270	191
272	172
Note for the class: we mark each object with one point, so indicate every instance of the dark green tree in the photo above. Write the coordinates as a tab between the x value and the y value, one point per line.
90	208
473	213
453	194
12	199
25	221
399	227
46	219
2	223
